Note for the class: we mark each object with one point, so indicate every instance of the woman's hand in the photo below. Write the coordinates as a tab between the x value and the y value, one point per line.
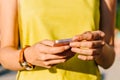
44	54
88	45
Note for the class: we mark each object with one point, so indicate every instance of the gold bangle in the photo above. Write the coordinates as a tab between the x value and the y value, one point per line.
22	61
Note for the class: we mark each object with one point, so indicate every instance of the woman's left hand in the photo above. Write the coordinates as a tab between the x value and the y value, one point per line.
88	45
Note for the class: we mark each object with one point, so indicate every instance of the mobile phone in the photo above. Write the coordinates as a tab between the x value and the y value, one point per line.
62	42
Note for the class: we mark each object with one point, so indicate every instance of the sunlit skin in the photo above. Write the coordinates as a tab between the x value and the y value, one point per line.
92	46
45	54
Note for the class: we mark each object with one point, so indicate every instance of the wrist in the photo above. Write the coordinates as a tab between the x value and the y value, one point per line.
106	57
22	60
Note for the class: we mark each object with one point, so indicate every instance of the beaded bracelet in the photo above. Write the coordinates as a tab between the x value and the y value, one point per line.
23	62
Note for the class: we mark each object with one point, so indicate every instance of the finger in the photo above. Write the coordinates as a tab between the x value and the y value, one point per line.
41	64
54	62
52	50
85	58
68	54
98	35
47	42
89	35
87	52
47	57
88	44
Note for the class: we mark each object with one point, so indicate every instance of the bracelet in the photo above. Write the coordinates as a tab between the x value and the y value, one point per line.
22	61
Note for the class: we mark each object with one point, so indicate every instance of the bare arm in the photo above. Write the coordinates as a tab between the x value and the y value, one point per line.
41	54
107	24
9	34
0	31
107	19
98	49
0	36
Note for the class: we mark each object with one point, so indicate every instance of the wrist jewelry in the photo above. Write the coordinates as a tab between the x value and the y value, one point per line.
23	62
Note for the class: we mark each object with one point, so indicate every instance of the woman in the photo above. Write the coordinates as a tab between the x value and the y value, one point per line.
57	19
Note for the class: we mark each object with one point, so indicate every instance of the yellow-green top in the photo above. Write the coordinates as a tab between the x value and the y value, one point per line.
58	19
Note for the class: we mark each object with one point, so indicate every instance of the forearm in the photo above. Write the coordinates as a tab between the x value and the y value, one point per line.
9	34
107	24
9	58
107	19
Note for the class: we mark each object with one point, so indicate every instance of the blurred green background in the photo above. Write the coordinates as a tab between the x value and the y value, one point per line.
118	15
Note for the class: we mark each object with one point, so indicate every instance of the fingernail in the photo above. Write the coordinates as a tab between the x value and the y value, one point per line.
67	47
103	43
70	44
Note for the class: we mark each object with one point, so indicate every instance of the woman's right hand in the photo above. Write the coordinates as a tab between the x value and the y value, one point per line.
44	54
